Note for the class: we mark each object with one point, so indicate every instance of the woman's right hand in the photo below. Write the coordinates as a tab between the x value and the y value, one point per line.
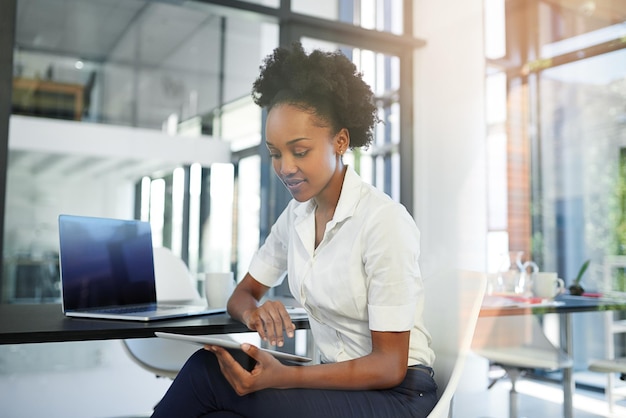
267	371
271	321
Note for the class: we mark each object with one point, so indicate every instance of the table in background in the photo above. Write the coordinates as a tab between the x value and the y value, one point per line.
565	306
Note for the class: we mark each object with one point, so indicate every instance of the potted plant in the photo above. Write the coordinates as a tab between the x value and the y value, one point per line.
575	288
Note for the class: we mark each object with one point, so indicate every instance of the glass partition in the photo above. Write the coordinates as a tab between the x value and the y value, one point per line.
147	66
583	136
145	62
179	71
556	138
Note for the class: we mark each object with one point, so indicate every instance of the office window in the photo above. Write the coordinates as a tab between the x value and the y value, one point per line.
556	142
248	213
497	178
495	34
380	15
564	134
583	136
379	165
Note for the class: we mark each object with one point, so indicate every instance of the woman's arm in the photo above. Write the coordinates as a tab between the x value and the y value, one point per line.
270	320
384	367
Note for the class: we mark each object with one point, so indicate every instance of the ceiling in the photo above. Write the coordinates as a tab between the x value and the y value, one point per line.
104	30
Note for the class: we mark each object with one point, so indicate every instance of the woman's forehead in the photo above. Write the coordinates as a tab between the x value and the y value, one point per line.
287	124
287	117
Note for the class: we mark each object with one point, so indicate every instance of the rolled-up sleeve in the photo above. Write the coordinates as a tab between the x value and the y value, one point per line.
391	318
391	264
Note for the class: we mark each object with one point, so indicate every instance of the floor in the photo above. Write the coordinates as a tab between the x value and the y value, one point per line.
98	380
538	398
88	379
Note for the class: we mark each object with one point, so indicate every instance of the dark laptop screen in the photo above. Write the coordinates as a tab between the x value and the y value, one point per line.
105	262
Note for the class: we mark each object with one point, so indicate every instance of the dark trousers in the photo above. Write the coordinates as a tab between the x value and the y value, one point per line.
200	390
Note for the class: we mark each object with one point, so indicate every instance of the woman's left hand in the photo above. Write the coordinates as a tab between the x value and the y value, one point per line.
264	374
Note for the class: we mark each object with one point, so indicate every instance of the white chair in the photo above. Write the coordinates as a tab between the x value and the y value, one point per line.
452	305
174	282
517	343
611	365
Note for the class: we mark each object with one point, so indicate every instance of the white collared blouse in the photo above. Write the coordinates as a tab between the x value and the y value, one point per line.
363	276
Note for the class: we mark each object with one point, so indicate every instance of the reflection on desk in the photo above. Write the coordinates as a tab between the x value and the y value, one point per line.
494	306
505	301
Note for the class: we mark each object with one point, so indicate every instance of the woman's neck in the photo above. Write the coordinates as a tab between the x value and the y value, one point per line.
326	201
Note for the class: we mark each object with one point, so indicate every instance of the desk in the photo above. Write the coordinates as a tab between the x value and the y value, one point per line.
565	306
39	323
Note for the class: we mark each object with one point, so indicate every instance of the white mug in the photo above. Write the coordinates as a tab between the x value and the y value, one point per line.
217	288
547	285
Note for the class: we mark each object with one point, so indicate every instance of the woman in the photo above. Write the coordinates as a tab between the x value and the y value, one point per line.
350	254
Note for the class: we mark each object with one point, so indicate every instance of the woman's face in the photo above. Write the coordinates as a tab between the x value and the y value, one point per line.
306	156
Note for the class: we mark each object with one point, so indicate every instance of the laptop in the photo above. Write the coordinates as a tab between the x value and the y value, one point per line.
107	271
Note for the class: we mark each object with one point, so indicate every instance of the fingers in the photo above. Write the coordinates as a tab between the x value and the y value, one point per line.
272	322
246	381
236	375
254	352
224	357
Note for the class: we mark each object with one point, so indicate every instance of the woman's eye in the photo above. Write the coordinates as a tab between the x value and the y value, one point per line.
300	154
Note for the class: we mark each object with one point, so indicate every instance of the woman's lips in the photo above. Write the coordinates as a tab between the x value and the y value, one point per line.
293	185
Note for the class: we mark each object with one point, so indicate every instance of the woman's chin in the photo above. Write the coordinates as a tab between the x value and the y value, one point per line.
299	193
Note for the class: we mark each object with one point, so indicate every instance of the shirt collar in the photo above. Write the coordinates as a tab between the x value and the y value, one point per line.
348	199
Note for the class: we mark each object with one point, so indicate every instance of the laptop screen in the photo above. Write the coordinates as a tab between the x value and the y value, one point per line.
105	262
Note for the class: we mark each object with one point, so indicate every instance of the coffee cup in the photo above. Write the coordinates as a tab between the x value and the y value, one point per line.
218	287
547	285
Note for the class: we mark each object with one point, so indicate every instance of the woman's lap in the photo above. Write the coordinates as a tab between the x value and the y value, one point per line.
201	388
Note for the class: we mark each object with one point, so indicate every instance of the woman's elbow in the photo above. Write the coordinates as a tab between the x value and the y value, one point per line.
399	375
392	377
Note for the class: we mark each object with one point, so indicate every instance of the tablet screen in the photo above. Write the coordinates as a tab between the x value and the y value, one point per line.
225	342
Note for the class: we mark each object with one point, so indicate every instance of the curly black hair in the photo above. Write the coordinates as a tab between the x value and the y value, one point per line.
325	83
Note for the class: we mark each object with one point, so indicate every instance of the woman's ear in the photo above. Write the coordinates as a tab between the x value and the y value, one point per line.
342	141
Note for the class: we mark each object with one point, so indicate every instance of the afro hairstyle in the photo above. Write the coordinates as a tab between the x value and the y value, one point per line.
325	83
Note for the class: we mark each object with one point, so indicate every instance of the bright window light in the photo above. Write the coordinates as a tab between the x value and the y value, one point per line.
157	211
178	195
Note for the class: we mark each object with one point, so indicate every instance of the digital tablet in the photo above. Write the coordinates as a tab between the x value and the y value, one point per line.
229	344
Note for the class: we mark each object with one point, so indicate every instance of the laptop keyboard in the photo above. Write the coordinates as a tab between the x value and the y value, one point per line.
137	309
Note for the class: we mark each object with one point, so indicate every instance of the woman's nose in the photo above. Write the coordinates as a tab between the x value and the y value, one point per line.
287	166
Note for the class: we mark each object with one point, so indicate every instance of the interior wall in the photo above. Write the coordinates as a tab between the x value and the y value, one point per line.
450	152
450	149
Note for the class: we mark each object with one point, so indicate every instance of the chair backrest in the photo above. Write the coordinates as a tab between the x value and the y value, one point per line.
174	282
452	305
173	279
